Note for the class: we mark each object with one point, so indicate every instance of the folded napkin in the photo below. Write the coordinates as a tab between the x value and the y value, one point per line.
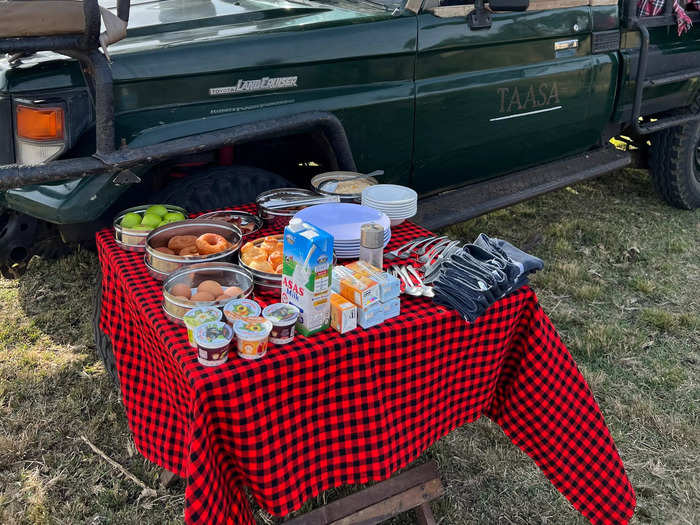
473	277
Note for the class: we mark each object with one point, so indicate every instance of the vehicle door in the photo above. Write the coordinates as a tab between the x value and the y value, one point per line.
501	98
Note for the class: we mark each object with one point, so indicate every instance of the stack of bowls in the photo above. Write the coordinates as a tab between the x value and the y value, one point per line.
397	202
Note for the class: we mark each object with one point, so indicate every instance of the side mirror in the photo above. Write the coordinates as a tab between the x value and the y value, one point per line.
509	5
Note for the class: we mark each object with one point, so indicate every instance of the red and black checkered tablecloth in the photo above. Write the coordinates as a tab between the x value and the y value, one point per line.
331	410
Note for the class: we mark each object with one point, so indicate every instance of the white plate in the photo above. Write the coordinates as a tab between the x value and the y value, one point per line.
343	220
382	206
408	202
389	193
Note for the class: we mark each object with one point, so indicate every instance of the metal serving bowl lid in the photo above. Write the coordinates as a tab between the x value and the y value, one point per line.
220	215
281	193
319	180
208	271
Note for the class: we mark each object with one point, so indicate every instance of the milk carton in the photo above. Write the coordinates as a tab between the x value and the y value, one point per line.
306	274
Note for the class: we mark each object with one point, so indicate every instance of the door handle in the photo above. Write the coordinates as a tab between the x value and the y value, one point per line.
562	45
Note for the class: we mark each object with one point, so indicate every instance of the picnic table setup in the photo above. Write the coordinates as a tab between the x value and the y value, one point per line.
355	397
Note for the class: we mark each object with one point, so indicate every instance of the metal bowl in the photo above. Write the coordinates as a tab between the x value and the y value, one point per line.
226	274
135	240
245	220
279	218
160	265
318	181
264	281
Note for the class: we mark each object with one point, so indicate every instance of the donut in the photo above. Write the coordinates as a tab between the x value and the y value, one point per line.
253	253
202	296
165	249
270	245
211	287
275	258
262	266
233	291
181	290
188	250
178	242
211	243
247	246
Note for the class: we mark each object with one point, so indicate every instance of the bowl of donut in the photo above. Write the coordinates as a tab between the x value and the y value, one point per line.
263	257
184	243
204	284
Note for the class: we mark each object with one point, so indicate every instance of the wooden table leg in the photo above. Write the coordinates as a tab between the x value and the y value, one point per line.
167	478
424	515
412	489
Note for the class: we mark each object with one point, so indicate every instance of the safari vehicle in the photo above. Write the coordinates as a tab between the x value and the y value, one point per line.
206	103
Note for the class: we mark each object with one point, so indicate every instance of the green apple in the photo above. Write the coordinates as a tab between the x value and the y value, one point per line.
130	220
157	209
143	227
174	216
151	219
162	223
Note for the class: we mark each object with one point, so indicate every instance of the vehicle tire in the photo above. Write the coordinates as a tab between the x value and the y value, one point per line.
675	164
103	344
219	187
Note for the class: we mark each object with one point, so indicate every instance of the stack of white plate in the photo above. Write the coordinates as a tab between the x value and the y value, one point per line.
397	202
344	221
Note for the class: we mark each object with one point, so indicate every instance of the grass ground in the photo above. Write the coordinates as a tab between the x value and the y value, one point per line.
621	284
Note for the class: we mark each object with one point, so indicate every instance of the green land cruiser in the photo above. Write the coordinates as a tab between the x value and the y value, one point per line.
206	103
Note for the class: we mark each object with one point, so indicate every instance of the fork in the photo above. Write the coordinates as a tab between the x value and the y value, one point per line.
393	254
430	254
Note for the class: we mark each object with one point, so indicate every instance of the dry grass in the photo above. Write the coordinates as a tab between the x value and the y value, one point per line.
621	285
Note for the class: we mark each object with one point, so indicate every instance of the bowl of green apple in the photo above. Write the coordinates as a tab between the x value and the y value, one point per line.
132	226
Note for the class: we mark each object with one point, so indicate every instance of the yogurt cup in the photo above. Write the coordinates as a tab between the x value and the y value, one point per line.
283	318
213	343
197	317
251	337
237	309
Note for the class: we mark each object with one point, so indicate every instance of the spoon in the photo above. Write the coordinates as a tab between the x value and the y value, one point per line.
375	173
409	287
427	290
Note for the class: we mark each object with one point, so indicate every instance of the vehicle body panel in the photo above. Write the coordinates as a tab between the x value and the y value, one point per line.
162	92
491	101
419	96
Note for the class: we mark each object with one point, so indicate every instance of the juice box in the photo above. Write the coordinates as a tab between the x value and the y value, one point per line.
370	316
306	274
359	289
343	314
389	285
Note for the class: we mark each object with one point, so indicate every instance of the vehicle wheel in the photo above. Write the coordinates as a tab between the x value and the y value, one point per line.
219	187
675	165
103	344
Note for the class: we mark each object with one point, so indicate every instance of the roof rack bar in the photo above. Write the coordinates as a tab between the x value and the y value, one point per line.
85	48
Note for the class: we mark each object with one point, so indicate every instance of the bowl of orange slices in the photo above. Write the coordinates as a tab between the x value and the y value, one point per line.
263	257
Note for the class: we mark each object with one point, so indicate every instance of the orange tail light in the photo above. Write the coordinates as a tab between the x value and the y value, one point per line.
45	123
